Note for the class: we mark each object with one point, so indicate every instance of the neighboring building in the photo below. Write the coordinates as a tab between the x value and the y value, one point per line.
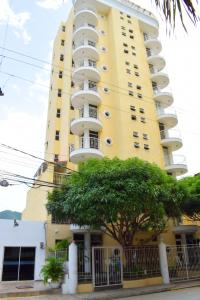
107	98
22	250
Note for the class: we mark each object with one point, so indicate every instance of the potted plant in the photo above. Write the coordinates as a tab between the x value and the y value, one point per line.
53	272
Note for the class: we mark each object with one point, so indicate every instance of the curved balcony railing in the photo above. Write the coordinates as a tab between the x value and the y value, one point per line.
86	63
85	94
85	48
170	134
86	15
84	43
87	143
171	139
176	165
167	116
86	68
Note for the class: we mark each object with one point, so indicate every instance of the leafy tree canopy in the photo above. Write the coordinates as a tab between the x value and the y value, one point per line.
192	206
120	197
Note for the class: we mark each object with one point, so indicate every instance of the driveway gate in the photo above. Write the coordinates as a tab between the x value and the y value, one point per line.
183	262
107	266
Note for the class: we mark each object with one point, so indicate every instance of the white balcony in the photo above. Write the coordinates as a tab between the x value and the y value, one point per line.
164	98
171	139
160	79
176	166
86	148
86	121
79	229
85	31
83	4
156	61
86	15
86	69
153	44
87	49
167	117
85	95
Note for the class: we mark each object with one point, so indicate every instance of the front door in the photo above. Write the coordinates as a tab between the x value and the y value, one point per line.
19	263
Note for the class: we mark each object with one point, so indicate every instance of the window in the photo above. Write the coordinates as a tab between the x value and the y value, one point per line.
105	68
103	49
62	42
63	28
106	90
121	18
132	108
129	21
124	33
146	146
109	141
135	134
133	117
143	120
131	37
59	93
130	30
125	51
61	57
125	45
56	158
58	113
141	110
128	71
130	84
135	67
138	87
57	135
107	114
136	145
123	27
132	47
130	93
139	96
71	107
128	16
133	53
137	74
145	136
127	63
60	74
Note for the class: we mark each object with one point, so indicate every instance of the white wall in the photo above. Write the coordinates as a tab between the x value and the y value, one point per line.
27	234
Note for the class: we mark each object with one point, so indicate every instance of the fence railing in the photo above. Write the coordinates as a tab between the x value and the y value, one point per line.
84	265
60	254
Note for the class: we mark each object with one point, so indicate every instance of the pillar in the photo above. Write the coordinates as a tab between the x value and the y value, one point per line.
71	279
163	263
87	252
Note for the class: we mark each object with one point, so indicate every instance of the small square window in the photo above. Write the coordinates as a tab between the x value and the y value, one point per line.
141	110
62	42
135	67
137	74
145	136
139	96
58	113
128	71
121	18
124	33
59	93
127	63
63	28
135	134
132	107
57	135
130	84
136	145
56	158
130	30
125	51
125	45
71	107
61	57
143	120
60	75
133	117
131	37
138	87
129	21
146	146
130	93
128	16
133	53
123	27
132	47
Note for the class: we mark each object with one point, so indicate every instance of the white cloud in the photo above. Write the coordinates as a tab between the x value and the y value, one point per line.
51	4
16	20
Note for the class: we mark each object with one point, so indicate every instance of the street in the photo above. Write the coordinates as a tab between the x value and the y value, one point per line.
183	294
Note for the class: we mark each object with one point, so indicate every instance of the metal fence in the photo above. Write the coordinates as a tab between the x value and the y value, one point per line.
140	262
60	254
184	262
84	265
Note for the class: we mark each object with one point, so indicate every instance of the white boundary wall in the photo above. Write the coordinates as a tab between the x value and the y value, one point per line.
26	234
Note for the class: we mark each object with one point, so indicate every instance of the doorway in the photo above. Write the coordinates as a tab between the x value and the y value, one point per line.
18	264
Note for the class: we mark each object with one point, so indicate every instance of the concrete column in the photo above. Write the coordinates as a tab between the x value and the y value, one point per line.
86	87
86	110
86	139
163	263
71	280
87	252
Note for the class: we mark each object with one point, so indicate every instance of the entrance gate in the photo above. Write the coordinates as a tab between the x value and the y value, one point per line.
183	262
107	266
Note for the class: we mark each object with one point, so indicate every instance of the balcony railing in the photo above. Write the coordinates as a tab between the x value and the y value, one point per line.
84	43
167	111
85	8
175	160
86	63
83	25
58	178
86	143
170	134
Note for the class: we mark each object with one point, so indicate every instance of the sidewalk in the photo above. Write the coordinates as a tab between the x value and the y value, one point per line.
28	289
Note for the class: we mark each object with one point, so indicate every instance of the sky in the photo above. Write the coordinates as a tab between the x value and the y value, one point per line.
29	27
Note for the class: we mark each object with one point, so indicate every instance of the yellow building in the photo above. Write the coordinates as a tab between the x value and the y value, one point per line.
107	99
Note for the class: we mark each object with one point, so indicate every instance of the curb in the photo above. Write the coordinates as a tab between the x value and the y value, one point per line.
29	293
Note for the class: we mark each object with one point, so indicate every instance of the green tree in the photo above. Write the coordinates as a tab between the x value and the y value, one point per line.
120	197
171	8
191	207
